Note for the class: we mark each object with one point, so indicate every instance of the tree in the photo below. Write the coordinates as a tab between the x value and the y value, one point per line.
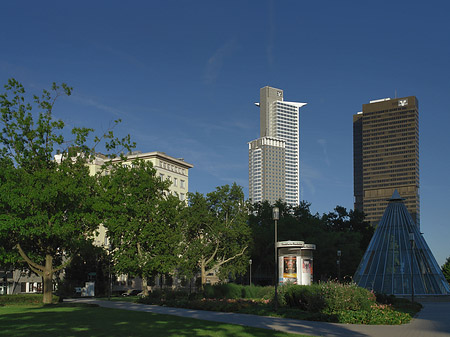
45	206
89	260
216	235
333	231
446	269
141	218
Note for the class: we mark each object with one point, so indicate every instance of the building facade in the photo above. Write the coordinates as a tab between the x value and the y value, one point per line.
266	173
274	156
386	156
176	170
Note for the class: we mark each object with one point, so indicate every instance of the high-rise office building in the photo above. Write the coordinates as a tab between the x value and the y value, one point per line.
274	166
386	156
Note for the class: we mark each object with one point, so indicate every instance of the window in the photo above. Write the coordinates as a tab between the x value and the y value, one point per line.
182	197
175	181
182	184
161	176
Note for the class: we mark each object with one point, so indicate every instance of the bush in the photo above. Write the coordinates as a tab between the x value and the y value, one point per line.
379	314
235	291
329	302
340	297
385	299
24	299
255	292
223	290
307	298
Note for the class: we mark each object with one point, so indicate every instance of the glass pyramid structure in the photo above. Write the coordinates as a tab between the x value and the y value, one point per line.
386	265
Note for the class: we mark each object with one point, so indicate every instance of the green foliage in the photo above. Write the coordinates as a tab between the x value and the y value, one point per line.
446	269
378	314
24	299
216	234
141	217
329	302
90	258
342	230
340	297
255	292
224	290
46	205
307	298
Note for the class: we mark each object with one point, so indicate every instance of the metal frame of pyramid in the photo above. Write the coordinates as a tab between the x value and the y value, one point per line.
386	265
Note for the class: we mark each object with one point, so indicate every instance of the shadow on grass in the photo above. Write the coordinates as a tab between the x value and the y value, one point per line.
207	317
86	320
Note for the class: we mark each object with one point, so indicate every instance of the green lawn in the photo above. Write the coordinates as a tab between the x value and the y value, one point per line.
78	320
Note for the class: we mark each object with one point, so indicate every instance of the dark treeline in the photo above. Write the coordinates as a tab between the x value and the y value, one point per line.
340	229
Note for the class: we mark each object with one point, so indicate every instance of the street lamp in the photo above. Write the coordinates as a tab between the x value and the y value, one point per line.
276	217
338	262
109	272
250	263
411	240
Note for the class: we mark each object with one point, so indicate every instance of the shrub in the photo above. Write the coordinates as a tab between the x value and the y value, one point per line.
307	298
24	299
340	297
256	292
224	290
385	299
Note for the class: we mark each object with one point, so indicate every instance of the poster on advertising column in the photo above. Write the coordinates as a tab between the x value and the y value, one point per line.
307	271
290	269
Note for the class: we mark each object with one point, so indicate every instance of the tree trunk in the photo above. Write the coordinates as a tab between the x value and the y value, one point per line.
144	286
203	272
47	278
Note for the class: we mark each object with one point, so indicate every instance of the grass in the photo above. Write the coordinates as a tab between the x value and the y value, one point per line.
83	320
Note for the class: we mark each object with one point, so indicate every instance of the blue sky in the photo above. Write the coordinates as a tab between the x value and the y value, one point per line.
183	77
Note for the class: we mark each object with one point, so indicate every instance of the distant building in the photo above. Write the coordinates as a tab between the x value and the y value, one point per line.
176	170
274	165
386	156
266	169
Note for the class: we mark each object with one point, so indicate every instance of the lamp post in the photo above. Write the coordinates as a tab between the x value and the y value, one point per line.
411	240
338	262
276	217
250	263
109	272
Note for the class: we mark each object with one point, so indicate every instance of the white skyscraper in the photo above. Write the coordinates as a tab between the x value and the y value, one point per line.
274	165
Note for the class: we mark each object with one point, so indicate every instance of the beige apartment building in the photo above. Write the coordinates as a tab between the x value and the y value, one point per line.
176	170
386	156
274	158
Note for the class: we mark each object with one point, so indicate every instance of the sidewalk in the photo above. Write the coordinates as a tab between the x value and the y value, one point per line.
432	321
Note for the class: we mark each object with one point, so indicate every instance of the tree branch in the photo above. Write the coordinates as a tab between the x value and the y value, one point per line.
218	264
34	266
40	273
64	265
213	254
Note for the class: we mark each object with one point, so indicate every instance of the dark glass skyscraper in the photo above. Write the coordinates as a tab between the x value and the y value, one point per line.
386	156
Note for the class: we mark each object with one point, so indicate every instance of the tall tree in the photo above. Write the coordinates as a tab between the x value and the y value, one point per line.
216	235
46	207
141	218
333	231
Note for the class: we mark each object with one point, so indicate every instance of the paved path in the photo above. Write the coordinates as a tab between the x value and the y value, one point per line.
432	321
